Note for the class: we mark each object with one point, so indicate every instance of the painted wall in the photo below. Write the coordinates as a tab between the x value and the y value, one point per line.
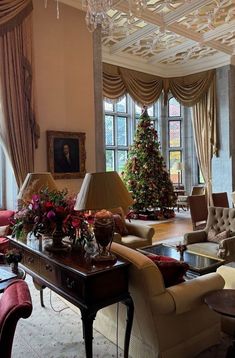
64	88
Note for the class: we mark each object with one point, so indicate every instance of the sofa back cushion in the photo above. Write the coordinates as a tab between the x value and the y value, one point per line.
172	270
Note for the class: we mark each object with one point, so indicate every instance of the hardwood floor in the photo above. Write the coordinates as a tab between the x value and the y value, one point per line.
176	227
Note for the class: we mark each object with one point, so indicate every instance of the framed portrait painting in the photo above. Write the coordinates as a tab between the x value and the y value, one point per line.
66	154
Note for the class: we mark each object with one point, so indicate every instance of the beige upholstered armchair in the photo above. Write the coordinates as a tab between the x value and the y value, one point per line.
171	322
138	236
218	237
131	234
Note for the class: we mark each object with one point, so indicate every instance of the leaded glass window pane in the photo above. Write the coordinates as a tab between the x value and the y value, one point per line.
174	108
174	134
108	107
121	160
138	110
174	157
201	179
150	111
122	131
110	160
121	105
109	130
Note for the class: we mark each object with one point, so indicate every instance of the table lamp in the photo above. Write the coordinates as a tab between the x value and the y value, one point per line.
102	191
179	167
34	183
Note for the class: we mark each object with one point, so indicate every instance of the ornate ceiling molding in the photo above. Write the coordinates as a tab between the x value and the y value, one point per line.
170	38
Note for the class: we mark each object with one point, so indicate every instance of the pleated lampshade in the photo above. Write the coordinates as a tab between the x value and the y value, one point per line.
34	183
104	190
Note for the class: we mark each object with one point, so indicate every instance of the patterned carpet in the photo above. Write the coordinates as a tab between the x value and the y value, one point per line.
53	334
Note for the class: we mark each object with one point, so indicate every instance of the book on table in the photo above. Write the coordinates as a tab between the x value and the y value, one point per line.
6	275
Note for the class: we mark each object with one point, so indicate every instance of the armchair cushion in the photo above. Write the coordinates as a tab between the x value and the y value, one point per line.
172	270
214	236
120	225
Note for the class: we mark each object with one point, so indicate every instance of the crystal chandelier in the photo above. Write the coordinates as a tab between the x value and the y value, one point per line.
96	12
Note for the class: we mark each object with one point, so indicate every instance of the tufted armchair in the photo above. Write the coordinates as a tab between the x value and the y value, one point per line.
221	221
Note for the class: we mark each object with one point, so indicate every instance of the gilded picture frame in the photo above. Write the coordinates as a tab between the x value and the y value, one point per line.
66	154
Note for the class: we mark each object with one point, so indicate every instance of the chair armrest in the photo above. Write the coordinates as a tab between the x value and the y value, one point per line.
145	232
227	247
195	236
190	294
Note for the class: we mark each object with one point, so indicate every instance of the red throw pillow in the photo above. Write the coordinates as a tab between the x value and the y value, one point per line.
120	226
172	270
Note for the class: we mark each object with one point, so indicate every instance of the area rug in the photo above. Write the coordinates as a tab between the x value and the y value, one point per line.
51	334
56	332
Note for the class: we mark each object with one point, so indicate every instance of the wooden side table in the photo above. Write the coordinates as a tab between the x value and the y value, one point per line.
223	302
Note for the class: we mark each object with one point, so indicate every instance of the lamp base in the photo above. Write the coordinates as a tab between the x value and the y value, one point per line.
105	258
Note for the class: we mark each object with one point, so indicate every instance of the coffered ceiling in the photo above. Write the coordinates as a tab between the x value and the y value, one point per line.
170	38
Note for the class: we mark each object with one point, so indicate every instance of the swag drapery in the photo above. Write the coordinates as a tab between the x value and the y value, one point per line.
197	91
18	128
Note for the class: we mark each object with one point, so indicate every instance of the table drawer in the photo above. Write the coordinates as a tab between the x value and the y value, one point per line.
48	270
31	261
72	284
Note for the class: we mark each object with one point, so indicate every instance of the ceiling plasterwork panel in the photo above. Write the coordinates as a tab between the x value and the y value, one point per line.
210	16
171	37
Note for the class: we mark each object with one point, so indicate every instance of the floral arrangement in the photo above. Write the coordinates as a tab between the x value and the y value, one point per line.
48	210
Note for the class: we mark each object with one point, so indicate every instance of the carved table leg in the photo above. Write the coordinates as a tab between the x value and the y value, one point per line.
130	314
87	326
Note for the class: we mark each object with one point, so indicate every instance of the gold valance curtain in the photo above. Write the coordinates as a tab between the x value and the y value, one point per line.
18	128
143	88
12	13
146	89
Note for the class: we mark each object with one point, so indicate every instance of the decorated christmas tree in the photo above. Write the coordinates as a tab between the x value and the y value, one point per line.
145	173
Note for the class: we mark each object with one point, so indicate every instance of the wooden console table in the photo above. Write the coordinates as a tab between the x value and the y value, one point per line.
75	277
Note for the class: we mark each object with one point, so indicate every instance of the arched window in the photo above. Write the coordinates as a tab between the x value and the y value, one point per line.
175	145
